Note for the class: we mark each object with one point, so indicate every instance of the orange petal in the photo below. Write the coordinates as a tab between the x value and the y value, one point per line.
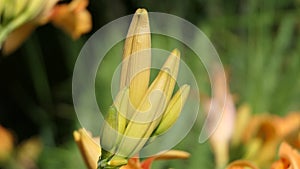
90	150
173	154
6	143
73	18
168	155
17	37
280	164
146	164
45	14
288	124
292	156
294	139
270	127
241	164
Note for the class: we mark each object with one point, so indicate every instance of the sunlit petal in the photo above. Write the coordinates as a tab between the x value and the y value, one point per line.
89	148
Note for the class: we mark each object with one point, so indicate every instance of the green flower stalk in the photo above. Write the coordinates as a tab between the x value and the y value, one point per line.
140	110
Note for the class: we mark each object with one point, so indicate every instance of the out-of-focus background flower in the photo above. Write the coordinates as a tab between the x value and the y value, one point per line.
258	43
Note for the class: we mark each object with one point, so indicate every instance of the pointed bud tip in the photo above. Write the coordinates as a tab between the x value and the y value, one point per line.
76	136
176	52
186	87
186	91
117	162
141	11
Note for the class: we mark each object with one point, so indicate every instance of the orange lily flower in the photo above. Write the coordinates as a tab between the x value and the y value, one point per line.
264	133
289	158
73	18
91	150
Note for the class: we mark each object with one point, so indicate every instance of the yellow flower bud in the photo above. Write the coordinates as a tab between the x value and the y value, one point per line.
121	104
139	108
137	57
151	113
173	110
117	161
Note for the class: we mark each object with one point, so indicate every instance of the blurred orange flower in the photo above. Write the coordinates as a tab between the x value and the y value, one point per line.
270	127
289	158
264	134
73	18
261	134
6	143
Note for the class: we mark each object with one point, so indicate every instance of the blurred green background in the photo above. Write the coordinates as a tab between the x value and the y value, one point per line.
258	43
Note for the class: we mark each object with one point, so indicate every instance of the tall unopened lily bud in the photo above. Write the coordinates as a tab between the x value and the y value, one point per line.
137	57
141	108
